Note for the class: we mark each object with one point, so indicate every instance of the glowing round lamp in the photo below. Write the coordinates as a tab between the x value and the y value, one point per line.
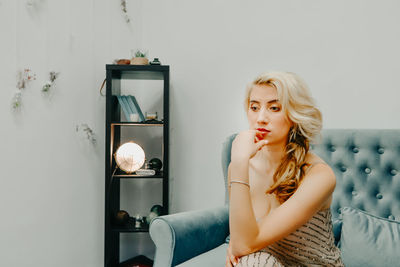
129	157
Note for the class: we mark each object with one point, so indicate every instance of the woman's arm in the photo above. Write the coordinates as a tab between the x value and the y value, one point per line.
242	222
229	180
231	259
248	236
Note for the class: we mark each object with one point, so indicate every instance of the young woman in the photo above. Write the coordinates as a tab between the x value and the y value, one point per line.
280	193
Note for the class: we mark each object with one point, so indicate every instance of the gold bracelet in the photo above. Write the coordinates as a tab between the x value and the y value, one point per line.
239	182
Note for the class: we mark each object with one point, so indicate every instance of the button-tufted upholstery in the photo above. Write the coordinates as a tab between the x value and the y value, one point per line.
367	167
366	164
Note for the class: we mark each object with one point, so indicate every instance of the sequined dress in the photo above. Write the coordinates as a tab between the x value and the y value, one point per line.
310	245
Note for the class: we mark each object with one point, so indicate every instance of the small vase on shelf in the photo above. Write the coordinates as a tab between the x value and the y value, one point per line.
139	61
139	58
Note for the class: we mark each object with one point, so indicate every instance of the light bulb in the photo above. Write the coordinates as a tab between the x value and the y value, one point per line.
130	157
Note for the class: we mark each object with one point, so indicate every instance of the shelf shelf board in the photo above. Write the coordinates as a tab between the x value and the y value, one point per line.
128	123
137	67
119	174
138	72
130	227
140	259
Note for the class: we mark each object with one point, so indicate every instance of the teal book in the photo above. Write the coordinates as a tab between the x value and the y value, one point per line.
135	106
128	107
123	107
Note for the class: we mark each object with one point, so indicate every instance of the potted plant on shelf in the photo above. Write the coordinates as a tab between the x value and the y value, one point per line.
140	58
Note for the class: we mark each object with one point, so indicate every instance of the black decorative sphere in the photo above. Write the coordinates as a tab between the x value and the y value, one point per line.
121	218
157	209
155	164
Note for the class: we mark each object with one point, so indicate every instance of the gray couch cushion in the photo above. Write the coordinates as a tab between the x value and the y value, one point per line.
369	240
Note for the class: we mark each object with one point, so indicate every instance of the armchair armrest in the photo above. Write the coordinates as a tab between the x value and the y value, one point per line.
181	236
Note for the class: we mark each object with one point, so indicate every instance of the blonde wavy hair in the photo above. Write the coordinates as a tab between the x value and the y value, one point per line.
300	108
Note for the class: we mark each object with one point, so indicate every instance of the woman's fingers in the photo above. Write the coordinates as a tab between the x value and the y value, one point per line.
234	261
259	136
231	260
228	262
261	144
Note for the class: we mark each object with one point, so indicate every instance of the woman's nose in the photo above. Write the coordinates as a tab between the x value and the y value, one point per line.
262	116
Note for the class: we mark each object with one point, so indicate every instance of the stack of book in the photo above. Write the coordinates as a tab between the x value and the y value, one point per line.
131	108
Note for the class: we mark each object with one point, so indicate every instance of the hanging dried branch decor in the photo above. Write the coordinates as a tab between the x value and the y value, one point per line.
23	78
16	102
84	128
53	76
125	11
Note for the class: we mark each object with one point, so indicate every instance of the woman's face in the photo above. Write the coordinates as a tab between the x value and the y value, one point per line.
266	116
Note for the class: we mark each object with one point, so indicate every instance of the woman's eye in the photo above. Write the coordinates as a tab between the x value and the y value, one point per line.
253	108
274	108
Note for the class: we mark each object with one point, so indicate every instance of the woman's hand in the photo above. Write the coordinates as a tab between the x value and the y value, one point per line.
231	260
246	145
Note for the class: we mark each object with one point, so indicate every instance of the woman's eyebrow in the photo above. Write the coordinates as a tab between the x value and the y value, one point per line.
269	102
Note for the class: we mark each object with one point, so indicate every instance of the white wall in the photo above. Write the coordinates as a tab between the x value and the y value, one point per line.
347	51
52	184
52	181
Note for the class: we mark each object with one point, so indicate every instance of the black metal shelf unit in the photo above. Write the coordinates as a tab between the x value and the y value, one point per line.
114	75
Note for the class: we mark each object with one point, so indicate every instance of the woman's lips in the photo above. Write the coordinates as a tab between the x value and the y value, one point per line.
261	133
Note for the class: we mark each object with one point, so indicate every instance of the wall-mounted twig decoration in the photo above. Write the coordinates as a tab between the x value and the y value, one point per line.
125	11
53	76
16	102
23	78
90	135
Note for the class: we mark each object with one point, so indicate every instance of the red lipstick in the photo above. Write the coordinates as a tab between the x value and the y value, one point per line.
261	134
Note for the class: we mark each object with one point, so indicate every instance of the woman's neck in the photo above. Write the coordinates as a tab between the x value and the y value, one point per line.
271	155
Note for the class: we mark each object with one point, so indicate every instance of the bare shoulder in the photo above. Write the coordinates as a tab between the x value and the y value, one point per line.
313	158
317	163
319	173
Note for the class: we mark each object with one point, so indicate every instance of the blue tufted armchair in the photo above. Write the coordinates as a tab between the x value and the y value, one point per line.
366	164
